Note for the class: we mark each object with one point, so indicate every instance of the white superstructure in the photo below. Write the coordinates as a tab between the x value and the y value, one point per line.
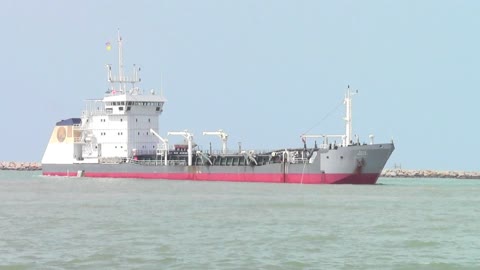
115	127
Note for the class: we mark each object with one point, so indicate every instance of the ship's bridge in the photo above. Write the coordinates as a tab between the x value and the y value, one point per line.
120	125
141	104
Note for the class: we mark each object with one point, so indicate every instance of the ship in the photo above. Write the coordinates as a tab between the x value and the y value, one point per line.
118	136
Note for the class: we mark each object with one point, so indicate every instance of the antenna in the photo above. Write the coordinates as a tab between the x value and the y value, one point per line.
109	73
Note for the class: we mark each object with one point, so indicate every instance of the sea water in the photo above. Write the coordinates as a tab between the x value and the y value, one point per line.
85	223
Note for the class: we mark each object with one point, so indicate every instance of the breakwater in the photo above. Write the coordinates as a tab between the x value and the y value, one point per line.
20	166
401	173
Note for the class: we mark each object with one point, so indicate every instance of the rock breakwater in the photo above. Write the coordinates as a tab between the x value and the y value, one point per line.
401	173
20	166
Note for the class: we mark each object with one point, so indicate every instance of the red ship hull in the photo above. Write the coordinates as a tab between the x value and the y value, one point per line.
364	178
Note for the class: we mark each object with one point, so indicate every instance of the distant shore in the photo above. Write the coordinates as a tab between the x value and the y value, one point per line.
401	173
20	166
388	173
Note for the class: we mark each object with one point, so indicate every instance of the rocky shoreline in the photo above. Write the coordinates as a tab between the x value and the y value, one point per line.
20	166
401	173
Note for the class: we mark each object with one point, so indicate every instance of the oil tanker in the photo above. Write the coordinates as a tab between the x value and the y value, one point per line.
118	137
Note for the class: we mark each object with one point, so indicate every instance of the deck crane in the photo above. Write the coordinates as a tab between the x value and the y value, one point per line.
165	145
223	136
189	137
325	138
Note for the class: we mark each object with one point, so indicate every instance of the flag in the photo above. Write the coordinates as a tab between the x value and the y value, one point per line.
109	46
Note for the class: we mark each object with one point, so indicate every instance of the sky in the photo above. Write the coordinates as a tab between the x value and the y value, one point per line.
265	71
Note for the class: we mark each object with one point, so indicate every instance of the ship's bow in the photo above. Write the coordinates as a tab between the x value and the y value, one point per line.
356	164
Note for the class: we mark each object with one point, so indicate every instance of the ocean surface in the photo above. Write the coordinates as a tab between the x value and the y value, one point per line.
84	223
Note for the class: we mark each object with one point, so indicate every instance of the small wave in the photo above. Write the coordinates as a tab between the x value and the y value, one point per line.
421	244
434	266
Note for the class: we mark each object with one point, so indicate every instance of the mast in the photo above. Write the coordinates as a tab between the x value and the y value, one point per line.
120	63
120	78
348	115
